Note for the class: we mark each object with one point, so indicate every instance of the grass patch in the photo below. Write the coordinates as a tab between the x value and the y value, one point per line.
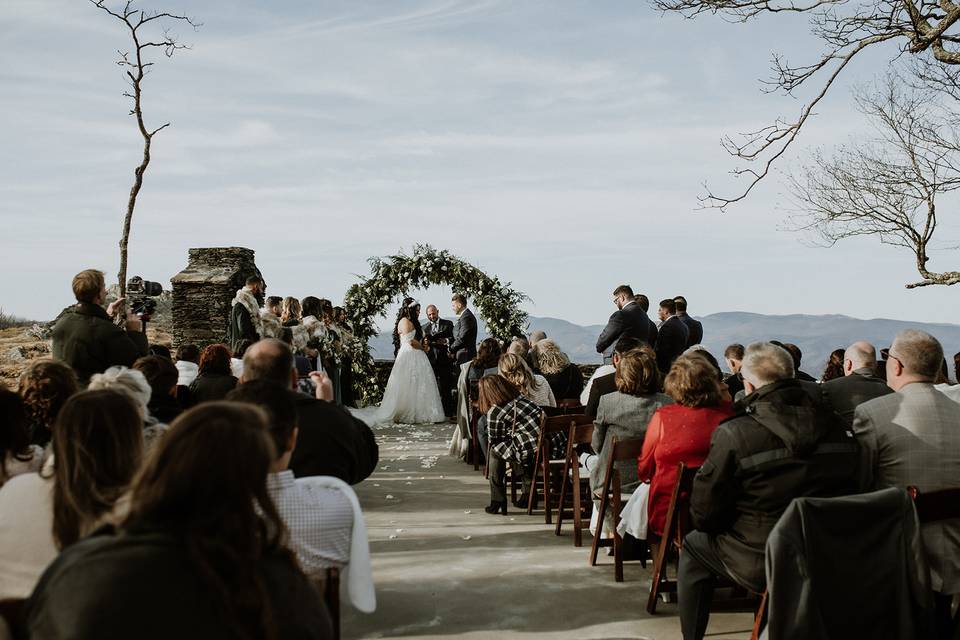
10	321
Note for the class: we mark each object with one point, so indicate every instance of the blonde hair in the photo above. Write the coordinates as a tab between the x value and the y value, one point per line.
637	372
692	382
517	371
549	357
87	285
290	309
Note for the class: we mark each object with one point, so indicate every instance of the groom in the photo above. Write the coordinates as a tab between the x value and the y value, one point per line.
439	333
464	345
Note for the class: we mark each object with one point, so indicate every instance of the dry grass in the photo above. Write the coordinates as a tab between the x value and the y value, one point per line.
9	321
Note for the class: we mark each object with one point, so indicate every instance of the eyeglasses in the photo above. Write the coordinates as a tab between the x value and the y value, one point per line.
891	356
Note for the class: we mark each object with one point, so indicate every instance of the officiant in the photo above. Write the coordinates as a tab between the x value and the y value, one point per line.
438	333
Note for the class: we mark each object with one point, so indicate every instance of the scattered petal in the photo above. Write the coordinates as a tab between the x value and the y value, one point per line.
393	536
407	483
468	511
389	497
467	537
376	485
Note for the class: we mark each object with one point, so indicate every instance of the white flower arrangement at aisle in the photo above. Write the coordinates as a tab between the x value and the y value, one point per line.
497	303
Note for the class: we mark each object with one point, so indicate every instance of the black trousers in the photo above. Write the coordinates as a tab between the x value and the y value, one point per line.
497	471
445	381
697	576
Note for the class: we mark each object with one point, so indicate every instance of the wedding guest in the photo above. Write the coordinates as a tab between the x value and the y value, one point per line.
858	383
694	327
162	377
533	387
565	379
733	355
486	361
330	355
520	346
605	380
202	546
797	356
625	413
188	365
290	312
134	385
672	336
514	424
97	449
246	303
17	455
215	379
274	305
86	337
629	319
680	432
45	386
834	368
536	336
345	331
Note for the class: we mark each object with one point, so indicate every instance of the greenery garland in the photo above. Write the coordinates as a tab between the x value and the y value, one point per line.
393	276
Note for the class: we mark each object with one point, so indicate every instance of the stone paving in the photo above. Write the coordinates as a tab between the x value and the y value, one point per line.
446	569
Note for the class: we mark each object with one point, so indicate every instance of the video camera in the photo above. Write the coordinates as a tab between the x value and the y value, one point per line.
141	294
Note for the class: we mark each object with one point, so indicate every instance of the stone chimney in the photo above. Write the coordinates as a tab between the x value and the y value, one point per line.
202	293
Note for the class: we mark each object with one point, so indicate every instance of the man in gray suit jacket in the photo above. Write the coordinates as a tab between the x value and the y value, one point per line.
912	437
858	383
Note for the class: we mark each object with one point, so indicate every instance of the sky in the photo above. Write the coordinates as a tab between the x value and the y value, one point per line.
557	145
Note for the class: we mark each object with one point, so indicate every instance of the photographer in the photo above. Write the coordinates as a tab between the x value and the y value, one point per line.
86	337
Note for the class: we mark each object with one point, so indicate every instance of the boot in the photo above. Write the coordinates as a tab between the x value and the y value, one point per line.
497	507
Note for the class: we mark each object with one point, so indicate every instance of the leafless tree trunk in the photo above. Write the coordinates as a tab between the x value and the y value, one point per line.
135	70
887	186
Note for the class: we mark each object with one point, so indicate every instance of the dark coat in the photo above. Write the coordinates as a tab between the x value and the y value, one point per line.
143	585
439	354
464	346
241	327
331	442
671	342
88	340
781	446
567	383
631	320
209	387
600	387
694	328
165	408
844	394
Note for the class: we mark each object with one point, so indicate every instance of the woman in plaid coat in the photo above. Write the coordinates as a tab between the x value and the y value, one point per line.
513	424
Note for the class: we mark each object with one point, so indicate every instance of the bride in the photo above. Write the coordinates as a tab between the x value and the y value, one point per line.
411	396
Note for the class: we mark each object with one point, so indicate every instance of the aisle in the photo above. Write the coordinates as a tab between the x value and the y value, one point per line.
446	569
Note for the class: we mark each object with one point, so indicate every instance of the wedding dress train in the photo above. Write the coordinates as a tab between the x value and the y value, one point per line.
411	396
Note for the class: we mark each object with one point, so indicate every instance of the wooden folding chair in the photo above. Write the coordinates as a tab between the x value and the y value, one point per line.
676	527
544	465
622	450
570	405
579	437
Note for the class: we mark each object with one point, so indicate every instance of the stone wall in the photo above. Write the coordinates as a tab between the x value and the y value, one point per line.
203	291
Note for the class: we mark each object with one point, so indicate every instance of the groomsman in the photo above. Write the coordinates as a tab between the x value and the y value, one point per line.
673	336
694	327
628	320
438	333
464	346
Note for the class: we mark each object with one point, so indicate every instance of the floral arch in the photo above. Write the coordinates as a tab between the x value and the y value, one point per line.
392	277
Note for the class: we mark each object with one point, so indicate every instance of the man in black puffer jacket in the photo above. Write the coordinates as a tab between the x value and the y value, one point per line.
783	444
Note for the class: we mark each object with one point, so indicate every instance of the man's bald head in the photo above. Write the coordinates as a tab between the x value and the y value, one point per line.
268	359
859	355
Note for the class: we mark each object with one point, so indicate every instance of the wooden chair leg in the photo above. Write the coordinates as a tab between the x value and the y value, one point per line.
577	507
617	539
532	497
563	493
547	489
659	564
760	618
474	443
602	512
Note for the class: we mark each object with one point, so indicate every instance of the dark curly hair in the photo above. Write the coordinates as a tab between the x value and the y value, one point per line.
45	386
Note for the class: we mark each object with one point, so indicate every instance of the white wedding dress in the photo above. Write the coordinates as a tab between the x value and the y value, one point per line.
411	396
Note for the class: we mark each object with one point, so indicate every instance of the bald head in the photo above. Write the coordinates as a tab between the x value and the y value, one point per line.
432	313
859	355
268	359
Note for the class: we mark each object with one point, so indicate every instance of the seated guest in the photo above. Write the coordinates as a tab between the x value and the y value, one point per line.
625	413
97	448
858	382
533	387
834	368
607	383
202	546
520	346
17	455
680	432
330	441
187	363
45	386
485	363
514	427
733	355
133	384
535	337
162	377
781	445
565	379
214	378
797	356
672	336
911	437
290	312
320	521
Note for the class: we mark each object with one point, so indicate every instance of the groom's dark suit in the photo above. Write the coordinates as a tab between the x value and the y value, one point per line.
464	345
631	320
440	359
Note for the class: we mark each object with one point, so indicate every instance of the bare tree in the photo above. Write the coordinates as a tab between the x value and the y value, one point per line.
925	28
135	67
887	186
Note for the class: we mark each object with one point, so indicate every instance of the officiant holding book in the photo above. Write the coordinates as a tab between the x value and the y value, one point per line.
438	334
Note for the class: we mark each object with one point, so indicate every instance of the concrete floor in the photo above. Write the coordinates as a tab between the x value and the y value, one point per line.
446	569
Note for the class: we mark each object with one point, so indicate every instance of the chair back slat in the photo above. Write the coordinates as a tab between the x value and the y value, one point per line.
580	433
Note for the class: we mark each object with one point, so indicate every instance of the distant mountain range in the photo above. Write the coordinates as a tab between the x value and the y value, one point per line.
816	336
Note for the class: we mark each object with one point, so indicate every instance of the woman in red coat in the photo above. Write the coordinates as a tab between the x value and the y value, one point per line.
681	432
